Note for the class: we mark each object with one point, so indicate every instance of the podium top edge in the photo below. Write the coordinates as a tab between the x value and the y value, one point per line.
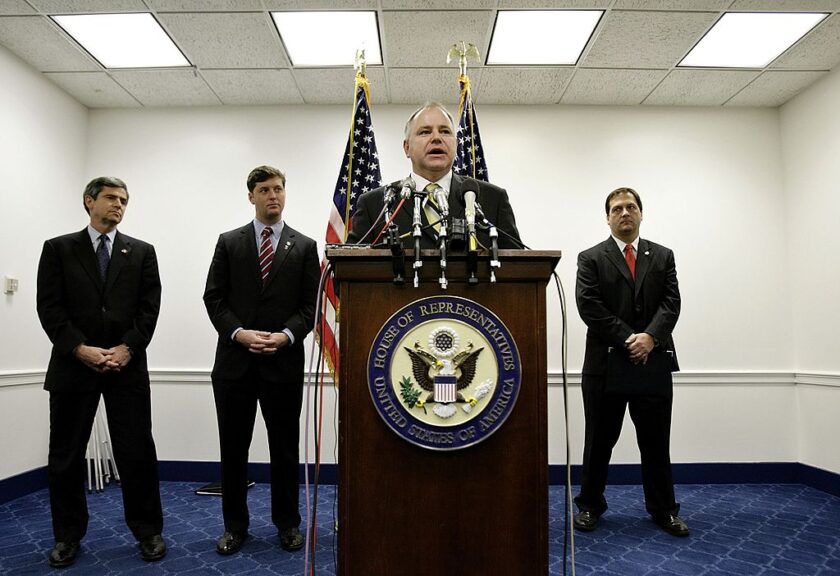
341	251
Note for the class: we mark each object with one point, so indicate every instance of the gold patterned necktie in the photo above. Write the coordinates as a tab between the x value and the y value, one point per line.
431	208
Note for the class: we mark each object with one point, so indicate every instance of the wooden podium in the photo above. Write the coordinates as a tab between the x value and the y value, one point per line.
407	510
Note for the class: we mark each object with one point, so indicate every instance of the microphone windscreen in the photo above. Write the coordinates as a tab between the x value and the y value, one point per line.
469	185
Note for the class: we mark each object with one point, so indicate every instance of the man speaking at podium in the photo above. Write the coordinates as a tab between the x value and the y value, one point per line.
430	144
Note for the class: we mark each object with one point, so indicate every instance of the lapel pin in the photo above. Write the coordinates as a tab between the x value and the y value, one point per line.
288	244
124	250
647	252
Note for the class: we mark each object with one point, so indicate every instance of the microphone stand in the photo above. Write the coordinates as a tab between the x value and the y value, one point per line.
443	235
417	234
494	239
397	254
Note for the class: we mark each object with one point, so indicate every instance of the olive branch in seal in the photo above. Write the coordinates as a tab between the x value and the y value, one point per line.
410	394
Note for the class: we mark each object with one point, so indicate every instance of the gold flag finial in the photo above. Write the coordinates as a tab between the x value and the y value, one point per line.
361	64
464	52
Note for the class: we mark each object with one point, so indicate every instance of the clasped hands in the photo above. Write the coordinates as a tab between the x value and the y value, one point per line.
103	359
259	342
639	346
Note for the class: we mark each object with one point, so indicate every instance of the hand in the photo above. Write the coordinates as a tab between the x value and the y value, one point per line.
256	341
93	357
118	357
276	341
639	346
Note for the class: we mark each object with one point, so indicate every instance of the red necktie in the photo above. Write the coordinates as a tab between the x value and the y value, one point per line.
631	259
266	253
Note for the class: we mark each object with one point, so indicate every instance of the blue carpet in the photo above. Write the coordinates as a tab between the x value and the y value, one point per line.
737	530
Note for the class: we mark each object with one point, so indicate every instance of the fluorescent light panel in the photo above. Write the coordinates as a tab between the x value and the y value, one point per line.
750	40
541	37
123	40
329	38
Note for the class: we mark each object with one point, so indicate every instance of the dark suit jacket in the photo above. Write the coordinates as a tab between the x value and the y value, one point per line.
613	306
494	202
235	297
76	307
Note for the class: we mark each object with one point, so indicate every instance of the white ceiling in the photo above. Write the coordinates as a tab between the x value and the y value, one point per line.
239	59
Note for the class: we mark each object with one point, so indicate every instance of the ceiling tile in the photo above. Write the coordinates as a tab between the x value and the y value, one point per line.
335	85
696	5
618	87
405	45
88	6
436	4
40	43
227	39
521	85
700	87
549	5
253	87
774	88
93	89
15	7
166	87
412	86
205	5
787	5
321	4
819	50
646	39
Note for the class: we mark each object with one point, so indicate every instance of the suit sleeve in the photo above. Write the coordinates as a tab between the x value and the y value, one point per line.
148	307
505	220
217	291
591	307
52	305
361	221
665	318
302	320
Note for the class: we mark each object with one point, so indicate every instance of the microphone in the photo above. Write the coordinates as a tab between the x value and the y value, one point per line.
469	194
443	202
407	187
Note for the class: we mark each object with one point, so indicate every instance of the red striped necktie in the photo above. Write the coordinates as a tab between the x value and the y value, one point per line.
631	259
266	253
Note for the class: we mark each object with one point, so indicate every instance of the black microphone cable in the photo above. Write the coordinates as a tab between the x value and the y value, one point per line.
568	528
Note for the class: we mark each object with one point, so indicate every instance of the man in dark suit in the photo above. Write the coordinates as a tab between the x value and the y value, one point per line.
430	145
260	296
98	301
628	296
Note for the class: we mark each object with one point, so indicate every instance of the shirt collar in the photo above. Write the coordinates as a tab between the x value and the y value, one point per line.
276	228
621	244
95	234
445	182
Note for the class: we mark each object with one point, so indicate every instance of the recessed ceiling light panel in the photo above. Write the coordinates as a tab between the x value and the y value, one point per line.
123	40
541	37
329	38
750	39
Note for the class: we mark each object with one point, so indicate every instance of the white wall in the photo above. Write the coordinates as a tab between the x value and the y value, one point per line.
713	186
42	151
810	130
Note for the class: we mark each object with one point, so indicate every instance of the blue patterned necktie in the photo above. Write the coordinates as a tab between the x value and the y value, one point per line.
102	256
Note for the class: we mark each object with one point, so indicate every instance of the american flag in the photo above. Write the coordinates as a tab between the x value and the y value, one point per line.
359	173
469	157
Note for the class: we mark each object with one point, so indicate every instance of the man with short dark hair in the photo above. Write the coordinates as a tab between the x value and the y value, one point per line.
430	145
98	301
260	296
628	296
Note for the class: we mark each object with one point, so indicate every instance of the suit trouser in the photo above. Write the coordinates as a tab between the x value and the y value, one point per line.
236	409
128	407
604	414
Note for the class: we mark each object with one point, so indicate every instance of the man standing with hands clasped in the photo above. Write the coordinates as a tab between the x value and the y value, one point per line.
628	296
98	301
260	296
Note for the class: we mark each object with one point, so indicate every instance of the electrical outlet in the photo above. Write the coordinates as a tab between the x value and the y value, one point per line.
10	285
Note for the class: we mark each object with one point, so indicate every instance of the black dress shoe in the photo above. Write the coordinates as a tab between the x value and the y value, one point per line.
63	554
230	542
291	539
586	521
152	548
672	524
